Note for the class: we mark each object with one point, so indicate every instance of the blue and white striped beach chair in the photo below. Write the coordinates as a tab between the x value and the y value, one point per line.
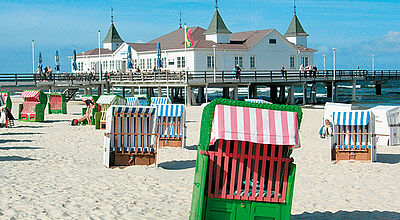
353	136
130	137
256	101
160	100
171	124
132	101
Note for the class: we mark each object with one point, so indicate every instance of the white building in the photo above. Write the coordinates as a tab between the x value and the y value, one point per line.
252	50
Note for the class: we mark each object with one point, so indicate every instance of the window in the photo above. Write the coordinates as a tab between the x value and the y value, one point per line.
304	61
252	62
239	61
272	41
291	62
135	63
210	62
148	63
180	62
141	64
155	62
171	62
164	62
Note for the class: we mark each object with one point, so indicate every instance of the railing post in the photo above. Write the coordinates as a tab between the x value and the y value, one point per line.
223	76
16	79
270	74
205	76
255	76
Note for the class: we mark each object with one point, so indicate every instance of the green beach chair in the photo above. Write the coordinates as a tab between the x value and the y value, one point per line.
33	107
243	167
5	95
105	101
57	103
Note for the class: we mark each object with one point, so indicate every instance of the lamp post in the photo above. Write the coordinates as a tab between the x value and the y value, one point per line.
33	56
324	60
214	66
100	78
334	75
373	63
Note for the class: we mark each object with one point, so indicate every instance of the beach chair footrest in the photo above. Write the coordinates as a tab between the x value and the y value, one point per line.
133	159
170	142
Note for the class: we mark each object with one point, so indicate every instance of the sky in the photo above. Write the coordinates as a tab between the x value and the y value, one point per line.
357	29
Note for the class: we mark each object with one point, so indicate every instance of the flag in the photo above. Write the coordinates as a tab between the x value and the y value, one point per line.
188	36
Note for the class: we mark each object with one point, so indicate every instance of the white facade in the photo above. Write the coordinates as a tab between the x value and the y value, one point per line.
218	38
299	40
269	53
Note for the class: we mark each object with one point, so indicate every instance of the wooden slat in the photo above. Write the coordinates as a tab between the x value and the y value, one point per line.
278	174
233	169
248	171
255	174
240	177
263	170
285	180
226	170
218	171
270	174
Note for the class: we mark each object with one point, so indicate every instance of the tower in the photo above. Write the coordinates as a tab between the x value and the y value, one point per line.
217	30
295	33
112	40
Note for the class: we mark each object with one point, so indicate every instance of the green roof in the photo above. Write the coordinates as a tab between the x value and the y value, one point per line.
217	25
112	35
295	28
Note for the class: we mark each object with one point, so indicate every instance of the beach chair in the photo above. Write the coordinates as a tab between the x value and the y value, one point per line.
57	103
160	100
382	129
243	168
171	125
130	137
132	101
256	101
353	136
5	95
105	101
94	110
393	117
33	107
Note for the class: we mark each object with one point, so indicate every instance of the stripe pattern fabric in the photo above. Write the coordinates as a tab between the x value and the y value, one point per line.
107	99
30	94
255	125
160	100
171	120
132	101
351	118
255	101
4	96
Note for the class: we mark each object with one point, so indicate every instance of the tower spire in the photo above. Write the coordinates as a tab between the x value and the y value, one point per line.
180	19
112	15
216	4
294	6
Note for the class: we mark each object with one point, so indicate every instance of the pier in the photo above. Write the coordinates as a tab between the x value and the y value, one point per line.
180	86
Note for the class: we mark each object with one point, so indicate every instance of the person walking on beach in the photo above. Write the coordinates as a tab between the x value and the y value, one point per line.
283	71
237	71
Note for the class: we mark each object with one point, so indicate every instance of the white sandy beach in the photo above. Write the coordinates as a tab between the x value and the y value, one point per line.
52	170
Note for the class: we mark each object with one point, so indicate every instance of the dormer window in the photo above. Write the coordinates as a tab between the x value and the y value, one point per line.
272	41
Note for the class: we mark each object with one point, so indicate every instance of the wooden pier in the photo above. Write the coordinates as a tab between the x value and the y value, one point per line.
180	85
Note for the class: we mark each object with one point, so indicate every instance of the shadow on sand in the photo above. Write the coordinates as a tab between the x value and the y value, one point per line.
22	133
13	141
388	158
14	158
348	215
192	147
178	164
20	148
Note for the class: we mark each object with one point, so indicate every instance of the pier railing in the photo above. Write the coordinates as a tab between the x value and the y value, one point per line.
245	76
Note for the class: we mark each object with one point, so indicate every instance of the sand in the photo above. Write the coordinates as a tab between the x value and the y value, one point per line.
52	170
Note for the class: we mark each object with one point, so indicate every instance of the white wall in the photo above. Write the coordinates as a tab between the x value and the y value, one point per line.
218	38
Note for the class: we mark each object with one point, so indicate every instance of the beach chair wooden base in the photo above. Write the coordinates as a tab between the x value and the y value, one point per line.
170	143
351	155
117	159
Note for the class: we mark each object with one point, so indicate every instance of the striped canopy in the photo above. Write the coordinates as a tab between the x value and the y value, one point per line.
87	97
170	110
111	100
132	109
30	94
132	101
351	118
255	125
160	100
4	96
256	101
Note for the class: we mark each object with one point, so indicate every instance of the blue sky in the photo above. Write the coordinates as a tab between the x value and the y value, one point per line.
357	29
